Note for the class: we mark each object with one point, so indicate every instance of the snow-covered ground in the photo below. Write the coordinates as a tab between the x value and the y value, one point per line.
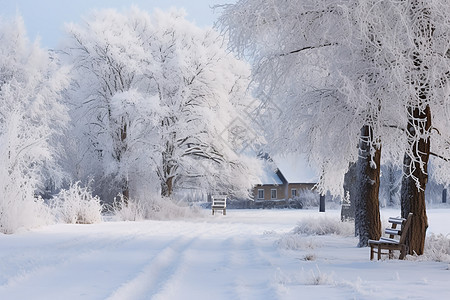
236	256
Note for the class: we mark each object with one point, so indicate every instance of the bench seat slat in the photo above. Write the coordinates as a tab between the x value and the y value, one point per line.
384	241
393	231
396	220
389	240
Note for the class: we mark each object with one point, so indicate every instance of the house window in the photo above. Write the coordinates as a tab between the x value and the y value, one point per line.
273	194
294	193
260	194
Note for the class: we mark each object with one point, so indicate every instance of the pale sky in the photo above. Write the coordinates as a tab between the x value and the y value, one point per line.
46	18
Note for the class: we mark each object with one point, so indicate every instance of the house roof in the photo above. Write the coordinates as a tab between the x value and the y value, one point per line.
287	169
295	169
270	174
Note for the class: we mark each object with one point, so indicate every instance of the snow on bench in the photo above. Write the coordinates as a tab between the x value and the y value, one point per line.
391	243
392	231
219	202
387	240
397	221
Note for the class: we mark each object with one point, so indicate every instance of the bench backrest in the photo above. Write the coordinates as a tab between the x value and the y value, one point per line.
219	201
405	228
397	221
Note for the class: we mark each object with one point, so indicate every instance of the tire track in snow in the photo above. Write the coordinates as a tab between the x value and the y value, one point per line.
157	274
204	265
29	268
248	264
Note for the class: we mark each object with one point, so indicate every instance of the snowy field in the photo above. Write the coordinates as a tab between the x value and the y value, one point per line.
237	256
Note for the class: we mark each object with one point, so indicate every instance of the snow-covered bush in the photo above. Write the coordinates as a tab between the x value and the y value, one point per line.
324	226
305	277
308	198
297	242
19	208
310	226
155	208
77	205
132	211
320	278
31	117
437	248
22	213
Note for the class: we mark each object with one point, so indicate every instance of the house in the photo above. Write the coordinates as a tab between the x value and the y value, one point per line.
275	185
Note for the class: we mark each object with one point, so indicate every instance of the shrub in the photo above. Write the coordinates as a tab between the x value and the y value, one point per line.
77	205
297	242
324	226
17	214
308	198
437	248
19	207
156	208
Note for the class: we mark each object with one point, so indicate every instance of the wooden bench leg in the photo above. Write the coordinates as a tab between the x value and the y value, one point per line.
371	252
224	212
379	252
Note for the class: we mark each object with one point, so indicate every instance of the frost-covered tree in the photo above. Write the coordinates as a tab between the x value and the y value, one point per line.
202	91
161	97
320	60
351	73
111	107
427	103
31	113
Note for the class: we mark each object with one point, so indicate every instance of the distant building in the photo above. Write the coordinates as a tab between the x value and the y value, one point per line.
275	186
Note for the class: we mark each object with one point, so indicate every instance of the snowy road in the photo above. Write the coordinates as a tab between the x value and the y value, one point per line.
220	257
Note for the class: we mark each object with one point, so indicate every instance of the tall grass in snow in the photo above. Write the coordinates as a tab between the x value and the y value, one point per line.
77	205
302	236
437	248
152	208
324	226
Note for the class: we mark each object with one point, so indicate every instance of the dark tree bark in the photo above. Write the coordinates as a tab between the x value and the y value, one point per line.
392	185
167	187
367	216
351	191
415	178
125	184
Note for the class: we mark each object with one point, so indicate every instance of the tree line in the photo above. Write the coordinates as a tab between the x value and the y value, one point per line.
135	104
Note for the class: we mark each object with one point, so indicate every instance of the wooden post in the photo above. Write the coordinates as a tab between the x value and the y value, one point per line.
322	203
444	196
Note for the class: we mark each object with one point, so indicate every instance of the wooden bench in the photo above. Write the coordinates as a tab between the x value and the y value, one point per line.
219	203
392	243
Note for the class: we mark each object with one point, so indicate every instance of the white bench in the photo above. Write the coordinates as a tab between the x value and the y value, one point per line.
219	202
391	243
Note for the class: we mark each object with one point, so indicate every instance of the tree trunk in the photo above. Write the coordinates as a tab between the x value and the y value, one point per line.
367	215
350	193
123	149
126	193
415	178
392	185
167	187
